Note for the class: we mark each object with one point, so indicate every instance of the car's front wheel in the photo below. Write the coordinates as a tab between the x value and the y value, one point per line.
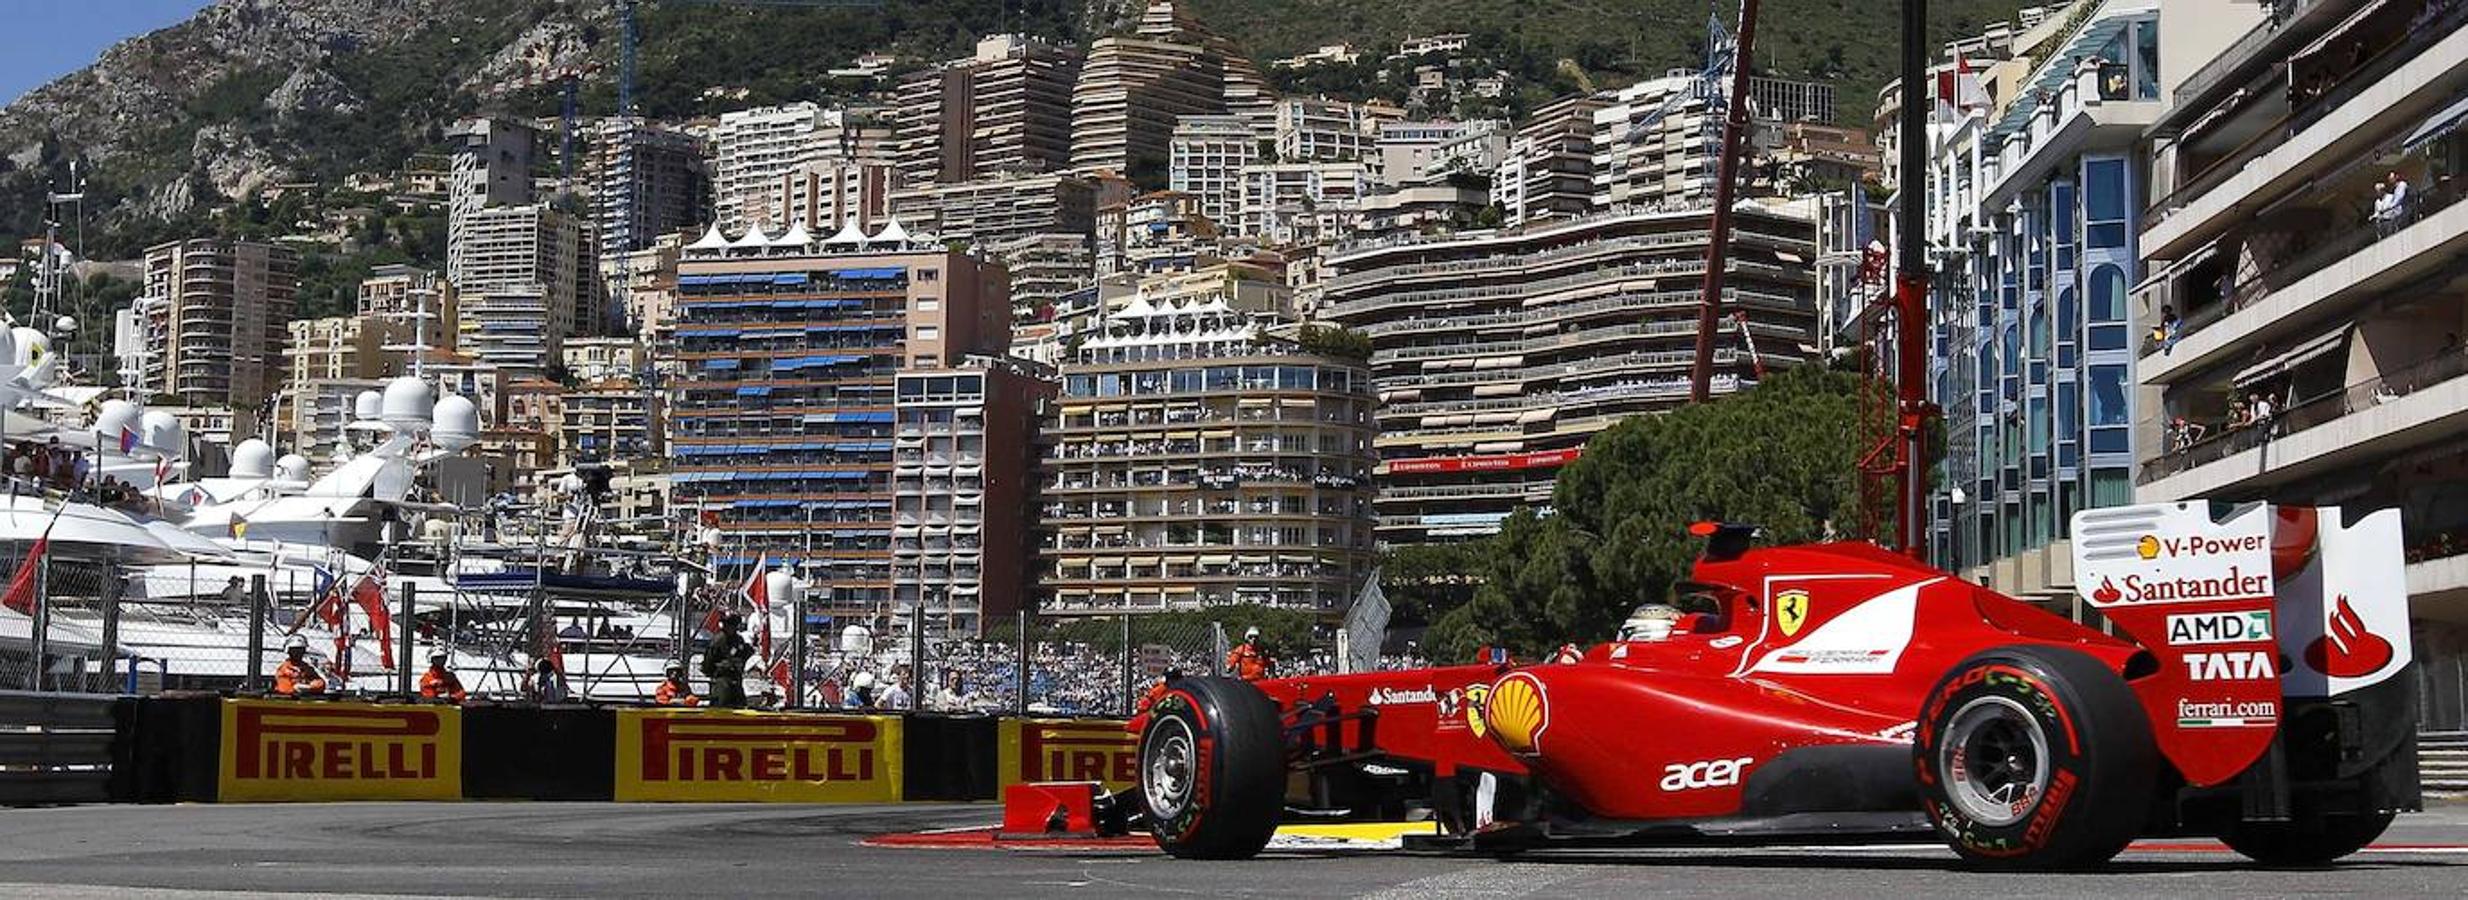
2034	758
1212	769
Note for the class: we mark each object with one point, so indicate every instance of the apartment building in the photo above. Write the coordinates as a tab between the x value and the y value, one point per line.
1007	108
607	421
1001	208
1317	129
1133	87
1207	161
1292	203
1783	100
963	539
490	165
783	424
527	284
1191	463
213	315
1404	152
1656	141
1157	233
2035	204
753	149
2305	233
1044	268
828	194
1497	354
1548	171
423	303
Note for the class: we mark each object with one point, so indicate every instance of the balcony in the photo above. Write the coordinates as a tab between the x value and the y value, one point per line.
2419	404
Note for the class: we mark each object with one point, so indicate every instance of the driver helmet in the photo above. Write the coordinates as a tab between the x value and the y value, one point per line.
862	680
295	642
1650	622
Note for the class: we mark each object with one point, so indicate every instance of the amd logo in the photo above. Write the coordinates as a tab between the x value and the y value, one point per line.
1710	773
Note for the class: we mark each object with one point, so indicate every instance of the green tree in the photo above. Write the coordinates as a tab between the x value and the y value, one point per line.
1782	456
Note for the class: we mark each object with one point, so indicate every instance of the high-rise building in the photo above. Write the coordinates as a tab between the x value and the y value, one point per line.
753	148
2316	270
964	490
608	421
826	195
1005	109
1191	463
998	209
423	303
214	317
492	160
784	422
657	171
1207	161
525	286
1656	141
1783	100
1132	88
1044	267
1498	353
2032	226
1549	170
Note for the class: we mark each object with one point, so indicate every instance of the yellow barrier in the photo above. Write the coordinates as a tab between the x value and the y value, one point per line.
1068	750
339	751
713	754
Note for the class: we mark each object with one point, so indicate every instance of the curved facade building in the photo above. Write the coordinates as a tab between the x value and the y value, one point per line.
1497	354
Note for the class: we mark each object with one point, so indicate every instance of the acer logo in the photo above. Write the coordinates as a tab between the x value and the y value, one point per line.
1710	773
2239	665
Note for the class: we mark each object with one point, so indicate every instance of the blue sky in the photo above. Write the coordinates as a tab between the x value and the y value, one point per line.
45	39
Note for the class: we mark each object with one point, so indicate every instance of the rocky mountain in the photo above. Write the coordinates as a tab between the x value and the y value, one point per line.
178	127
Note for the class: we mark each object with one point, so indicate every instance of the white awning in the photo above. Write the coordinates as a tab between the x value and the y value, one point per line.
2297	356
2337	32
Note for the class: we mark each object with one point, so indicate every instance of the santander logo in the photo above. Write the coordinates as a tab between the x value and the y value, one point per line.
2107	592
2347	650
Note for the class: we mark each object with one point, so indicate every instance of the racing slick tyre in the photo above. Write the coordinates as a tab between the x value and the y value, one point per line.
1212	769
2306	843
2034	758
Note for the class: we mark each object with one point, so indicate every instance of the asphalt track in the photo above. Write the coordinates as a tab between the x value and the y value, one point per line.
610	850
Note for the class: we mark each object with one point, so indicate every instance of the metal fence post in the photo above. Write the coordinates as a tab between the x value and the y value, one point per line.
257	635
1020	702
39	639
797	641
687	585
402	625
1217	649
916	657
108	593
1127	652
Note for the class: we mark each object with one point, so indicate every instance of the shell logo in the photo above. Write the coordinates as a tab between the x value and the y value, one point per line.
1517	713
2148	547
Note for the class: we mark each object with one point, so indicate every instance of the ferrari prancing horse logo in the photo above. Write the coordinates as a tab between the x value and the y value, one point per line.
1791	611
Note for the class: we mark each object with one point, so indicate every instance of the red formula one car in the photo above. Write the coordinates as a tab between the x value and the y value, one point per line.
2255	690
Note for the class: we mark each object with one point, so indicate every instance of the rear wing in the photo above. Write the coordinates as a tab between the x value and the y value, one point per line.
2242	612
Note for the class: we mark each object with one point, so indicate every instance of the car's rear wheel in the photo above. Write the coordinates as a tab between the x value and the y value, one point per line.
2034	758
1212	769
2310	842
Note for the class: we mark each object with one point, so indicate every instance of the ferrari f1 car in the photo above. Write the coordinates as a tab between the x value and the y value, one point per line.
2249	681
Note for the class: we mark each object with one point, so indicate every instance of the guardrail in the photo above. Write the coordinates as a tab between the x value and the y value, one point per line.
56	748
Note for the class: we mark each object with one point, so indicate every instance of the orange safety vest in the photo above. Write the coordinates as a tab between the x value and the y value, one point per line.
1247	662
673	694
293	678
439	683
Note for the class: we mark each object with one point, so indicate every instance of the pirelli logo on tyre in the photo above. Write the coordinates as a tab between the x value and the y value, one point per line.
1098	750
290	751
722	754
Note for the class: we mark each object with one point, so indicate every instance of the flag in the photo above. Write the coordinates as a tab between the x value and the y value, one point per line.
162	470
1366	626
239	527
758	592
128	439
370	593
328	607
1959	90
21	594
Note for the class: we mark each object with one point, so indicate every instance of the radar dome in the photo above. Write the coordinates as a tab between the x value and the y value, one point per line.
292	467
408	402
783	588
457	423
162	432
252	459
114	416
369	406
64	325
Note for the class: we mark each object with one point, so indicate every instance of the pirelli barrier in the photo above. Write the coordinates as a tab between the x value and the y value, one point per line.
209	748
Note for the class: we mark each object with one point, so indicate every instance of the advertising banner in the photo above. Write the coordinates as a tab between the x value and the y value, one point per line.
288	750
727	755
1096	750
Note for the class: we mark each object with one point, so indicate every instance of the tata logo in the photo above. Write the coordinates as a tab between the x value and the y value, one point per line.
2198	629
1707	774
307	742
1791	611
2235	665
715	748
1388	696
1078	751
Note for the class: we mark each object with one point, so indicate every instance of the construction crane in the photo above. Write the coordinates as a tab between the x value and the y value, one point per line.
629	40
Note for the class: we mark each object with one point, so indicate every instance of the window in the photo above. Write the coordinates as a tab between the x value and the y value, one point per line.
2069	317
2107	294
929	332
2146	61
929	304
927	275
2108	395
